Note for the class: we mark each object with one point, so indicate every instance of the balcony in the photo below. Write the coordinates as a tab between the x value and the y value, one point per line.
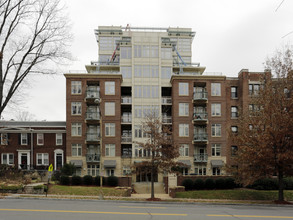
200	96
126	100
126	139
202	137
200	117
92	116
167	119
167	100
201	158
92	96
93	137
127	119
92	158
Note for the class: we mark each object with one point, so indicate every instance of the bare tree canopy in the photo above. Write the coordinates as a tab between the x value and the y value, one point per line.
159	147
265	137
34	35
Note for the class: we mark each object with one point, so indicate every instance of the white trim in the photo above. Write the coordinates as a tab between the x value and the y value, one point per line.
58	151
19	158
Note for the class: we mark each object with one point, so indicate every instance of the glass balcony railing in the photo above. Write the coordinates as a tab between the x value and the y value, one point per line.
126	118
93	137
166	100
92	157
126	100
92	116
200	116
92	94
200	157
126	139
200	137
200	96
167	119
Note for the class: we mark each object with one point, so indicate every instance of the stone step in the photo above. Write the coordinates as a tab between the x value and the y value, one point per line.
145	188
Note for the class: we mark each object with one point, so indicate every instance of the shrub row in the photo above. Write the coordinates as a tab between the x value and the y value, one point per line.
271	184
198	184
88	180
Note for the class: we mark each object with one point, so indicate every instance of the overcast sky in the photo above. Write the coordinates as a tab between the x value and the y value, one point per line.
230	35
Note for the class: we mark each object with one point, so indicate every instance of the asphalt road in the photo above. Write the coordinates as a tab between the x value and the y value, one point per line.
41	209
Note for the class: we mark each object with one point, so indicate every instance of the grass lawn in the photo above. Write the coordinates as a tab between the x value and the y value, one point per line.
238	194
85	190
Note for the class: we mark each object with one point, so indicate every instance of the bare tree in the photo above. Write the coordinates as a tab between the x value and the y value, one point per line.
25	116
34	35
265	137
159	147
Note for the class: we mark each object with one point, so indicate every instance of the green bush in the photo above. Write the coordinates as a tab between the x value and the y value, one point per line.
188	184
56	176
198	184
220	183
5	187
230	183
265	184
76	180
68	169
64	180
288	183
112	181
38	187
88	180
209	184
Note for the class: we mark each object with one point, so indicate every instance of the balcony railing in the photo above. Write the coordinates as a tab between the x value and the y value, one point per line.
92	157
93	137
126	139
200	137
92	116
126	100
167	119
166	100
200	157
126	118
200	96
200	116
92	94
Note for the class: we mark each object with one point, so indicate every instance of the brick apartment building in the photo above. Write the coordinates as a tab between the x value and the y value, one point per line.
33	145
143	70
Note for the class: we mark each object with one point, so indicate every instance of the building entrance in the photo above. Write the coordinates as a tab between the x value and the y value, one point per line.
144	175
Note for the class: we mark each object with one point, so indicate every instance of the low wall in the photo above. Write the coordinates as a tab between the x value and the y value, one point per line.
174	190
181	178
124	181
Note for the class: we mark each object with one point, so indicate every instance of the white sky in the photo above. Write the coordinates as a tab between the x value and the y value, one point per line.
230	35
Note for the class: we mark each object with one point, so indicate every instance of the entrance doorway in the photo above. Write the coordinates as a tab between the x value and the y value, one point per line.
24	160
144	175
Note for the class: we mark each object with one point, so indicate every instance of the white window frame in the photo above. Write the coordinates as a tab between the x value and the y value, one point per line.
110	88
184	150
137	131
93	169
40	139
183	130
183	88
76	129
216	150
110	150
23	139
216	109
44	157
76	108
183	109
77	148
109	108
59	139
234	112
216	171
216	130
110	129
75	87
8	162
216	89
110	172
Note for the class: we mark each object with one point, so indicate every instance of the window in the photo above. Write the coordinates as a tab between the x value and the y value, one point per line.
42	159
93	170
126	170
126	72
137	50
125	52
110	150
234	112
166	53
7	158
109	108
200	170
166	72
23	139
76	150
59	140
183	109
184	150
110	172
40	139
110	129
216	89
183	130
234	93
137	131
146	91
76	129
75	108
216	130
108	43
216	171
4	139
234	150
109	88
183	89
75	87
216	149
254	89
234	129
216	109
140	152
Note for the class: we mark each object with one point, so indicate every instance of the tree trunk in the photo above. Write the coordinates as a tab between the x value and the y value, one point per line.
281	184
152	177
